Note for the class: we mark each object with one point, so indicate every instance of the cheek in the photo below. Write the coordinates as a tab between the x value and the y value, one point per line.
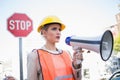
51	35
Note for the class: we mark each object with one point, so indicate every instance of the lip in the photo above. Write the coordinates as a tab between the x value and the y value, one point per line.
58	37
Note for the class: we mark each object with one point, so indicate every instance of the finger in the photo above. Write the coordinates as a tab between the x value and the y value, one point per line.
80	56
81	51
74	54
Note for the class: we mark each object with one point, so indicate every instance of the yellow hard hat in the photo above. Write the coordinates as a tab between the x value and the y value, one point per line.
48	20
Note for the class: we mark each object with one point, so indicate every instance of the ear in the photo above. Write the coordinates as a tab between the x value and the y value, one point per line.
44	32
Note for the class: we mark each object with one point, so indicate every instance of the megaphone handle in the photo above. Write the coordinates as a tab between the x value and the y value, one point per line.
78	54
76	48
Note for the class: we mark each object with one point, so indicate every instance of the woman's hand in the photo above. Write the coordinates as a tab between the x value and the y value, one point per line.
78	58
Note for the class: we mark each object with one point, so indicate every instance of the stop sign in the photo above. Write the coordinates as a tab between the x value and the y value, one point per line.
20	25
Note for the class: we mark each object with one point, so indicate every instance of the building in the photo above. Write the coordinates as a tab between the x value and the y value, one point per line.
116	28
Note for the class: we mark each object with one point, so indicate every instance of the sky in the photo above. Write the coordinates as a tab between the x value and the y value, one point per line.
81	17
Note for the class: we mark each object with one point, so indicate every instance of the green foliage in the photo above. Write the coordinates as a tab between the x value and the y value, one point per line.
117	43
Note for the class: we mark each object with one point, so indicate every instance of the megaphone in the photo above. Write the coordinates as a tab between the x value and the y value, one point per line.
100	44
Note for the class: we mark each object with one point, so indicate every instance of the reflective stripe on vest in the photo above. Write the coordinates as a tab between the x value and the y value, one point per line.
64	77
56	66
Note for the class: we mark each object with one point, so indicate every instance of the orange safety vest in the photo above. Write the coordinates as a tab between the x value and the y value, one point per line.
55	66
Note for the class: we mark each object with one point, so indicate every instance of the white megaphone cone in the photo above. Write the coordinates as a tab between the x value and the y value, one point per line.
101	44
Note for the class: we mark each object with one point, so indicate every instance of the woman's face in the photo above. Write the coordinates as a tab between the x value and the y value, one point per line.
53	33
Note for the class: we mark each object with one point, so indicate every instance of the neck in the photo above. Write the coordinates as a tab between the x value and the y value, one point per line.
50	46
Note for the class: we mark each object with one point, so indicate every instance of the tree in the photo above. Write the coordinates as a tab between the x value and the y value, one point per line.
117	43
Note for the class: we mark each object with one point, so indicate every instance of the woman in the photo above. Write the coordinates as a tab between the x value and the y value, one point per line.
49	62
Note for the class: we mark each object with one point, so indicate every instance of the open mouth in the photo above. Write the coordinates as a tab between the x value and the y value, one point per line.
58	37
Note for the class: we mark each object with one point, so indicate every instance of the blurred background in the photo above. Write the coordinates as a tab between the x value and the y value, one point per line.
81	17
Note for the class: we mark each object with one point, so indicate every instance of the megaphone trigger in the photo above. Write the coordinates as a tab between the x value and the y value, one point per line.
76	48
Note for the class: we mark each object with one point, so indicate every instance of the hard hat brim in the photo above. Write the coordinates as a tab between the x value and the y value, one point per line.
41	26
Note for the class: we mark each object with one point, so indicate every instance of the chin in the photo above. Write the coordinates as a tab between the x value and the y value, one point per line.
57	41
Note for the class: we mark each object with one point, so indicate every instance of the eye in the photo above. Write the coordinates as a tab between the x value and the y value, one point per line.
54	28
60	29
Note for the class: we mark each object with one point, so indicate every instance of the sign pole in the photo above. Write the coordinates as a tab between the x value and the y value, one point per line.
20	25
20	58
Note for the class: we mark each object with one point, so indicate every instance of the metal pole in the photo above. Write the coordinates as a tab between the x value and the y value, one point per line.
20	58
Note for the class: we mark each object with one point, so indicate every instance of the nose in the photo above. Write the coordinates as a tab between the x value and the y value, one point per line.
58	32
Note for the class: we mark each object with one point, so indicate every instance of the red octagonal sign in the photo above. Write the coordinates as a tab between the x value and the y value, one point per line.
20	25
